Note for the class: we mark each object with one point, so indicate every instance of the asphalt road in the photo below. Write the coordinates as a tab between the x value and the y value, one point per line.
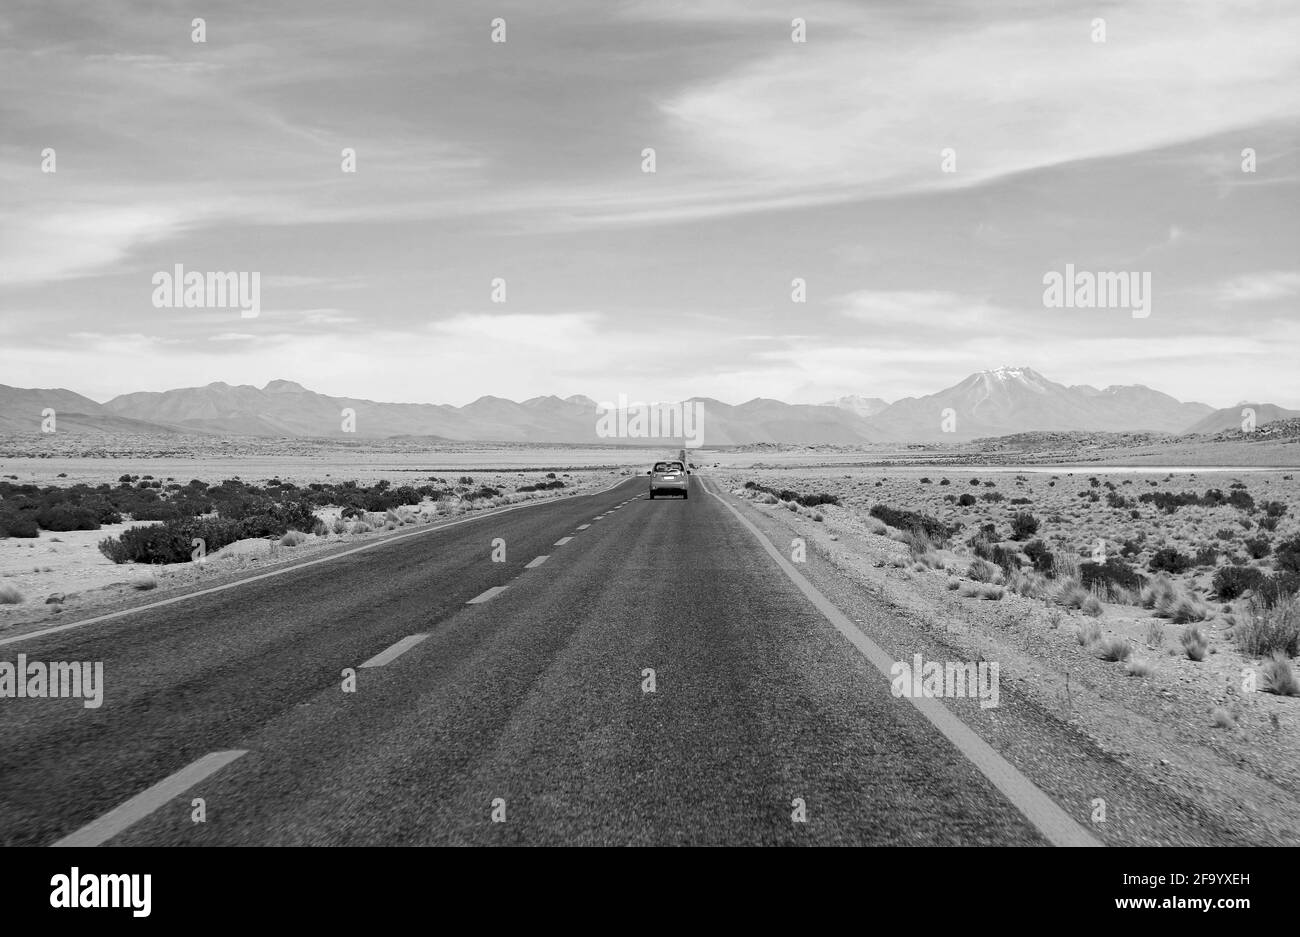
521	719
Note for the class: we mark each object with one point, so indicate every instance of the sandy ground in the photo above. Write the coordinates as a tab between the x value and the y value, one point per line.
1245	768
364	465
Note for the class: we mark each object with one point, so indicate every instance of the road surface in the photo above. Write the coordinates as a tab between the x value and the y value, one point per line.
634	672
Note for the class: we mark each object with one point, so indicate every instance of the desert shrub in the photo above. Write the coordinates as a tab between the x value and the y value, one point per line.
1207	556
982	571
66	517
10	595
170	541
1113	572
1159	589
1088	634
1257	547
1169	560
1286	555
1023	526
155	511
276	521
157	543
1270	629
1230	582
966	500
935	529
293	538
1114	648
1071	594
1027	584
1136	667
917	542
992	592
1278	677
1194	643
1092	606
1279	588
14	524
1040	556
993	497
1065	565
784	494
1181	608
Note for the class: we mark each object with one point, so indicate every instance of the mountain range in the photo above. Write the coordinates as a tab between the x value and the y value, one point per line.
997	402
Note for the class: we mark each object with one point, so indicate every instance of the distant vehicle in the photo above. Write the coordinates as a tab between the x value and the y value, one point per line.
668	477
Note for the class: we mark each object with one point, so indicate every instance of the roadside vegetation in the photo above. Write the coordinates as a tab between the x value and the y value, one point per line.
233	510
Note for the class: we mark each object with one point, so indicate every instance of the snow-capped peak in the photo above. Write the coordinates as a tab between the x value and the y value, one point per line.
1006	373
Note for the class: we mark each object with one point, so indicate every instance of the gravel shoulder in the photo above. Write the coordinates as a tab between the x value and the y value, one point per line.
1079	727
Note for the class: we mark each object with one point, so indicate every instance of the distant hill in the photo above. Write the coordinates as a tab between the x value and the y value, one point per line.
1229	418
1000	402
1007	400
856	403
21	411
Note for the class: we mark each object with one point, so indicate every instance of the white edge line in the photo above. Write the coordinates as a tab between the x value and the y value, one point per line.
397	650
146	802
485	596
287	569
1057	826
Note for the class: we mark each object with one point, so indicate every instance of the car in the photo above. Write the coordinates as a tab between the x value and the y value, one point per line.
668	477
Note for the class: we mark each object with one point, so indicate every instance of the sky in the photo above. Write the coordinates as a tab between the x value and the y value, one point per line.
822	160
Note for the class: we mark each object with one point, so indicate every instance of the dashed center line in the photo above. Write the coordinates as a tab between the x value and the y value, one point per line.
536	561
562	541
141	805
583	526
486	596
398	649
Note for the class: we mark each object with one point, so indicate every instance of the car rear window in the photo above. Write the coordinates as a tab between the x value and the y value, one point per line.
668	467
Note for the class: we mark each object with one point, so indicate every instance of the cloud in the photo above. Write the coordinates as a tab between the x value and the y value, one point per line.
865	107
1259	287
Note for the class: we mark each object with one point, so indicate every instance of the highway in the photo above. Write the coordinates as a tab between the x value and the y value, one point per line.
634	672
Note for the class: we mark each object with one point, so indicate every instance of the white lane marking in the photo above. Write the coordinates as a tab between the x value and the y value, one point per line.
146	802
583	526
287	569
397	650
562	541
536	561
485	596
1057	826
